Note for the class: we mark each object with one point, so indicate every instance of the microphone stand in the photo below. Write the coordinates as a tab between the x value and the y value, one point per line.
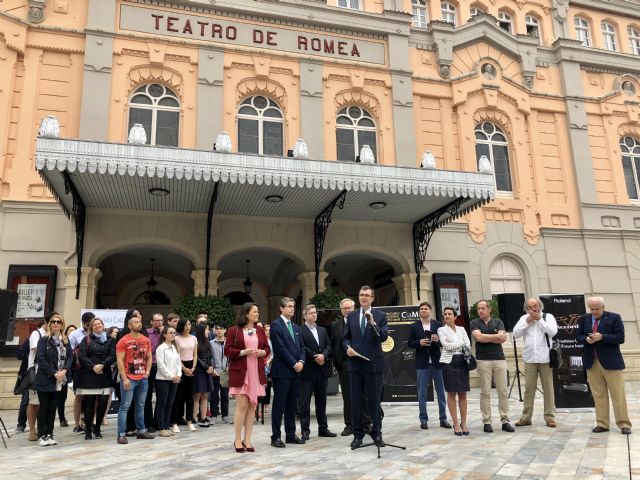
378	392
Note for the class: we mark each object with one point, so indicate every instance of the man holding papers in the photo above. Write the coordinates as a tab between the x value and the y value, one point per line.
364	333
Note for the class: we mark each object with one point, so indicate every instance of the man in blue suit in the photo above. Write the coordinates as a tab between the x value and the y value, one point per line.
364	333
288	361
602	333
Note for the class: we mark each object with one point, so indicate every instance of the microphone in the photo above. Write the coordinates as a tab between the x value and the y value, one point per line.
374	327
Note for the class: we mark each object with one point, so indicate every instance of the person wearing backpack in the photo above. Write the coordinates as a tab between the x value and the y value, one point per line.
23	356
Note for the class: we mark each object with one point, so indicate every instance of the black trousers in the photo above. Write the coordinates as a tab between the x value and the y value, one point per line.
89	408
285	400
345	389
62	402
369	384
165	396
22	413
184	397
149	414
219	399
47	411
318	388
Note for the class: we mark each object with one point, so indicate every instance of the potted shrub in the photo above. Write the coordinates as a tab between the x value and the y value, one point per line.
218	309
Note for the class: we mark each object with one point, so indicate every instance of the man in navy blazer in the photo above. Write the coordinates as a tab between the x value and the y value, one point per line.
423	336
288	362
364	333
602	333
316	373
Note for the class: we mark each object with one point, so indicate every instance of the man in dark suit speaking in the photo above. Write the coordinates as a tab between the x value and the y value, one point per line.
365	331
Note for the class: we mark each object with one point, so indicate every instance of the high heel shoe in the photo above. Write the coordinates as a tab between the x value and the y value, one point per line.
239	450
457	434
248	449
465	433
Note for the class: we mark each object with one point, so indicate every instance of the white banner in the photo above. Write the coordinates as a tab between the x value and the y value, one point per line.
110	318
31	300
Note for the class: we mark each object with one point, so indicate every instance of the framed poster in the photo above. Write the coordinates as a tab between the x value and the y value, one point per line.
36	287
450	290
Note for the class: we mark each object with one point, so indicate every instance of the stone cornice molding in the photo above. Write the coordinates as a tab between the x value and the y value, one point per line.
567	50
30	207
618	7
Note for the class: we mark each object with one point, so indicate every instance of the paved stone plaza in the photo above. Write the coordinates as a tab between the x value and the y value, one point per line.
536	452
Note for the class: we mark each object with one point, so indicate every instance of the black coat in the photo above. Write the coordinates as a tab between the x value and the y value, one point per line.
47	359
311	368
337	350
416	333
204	360
92	353
607	349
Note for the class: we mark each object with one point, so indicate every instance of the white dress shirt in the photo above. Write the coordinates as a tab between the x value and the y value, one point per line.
314	331
536	349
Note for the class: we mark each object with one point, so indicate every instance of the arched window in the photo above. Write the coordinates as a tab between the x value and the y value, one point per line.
634	40
448	12
473	11
583	31
260	126
630	149
505	21
352	4
492	142
533	27
505	277
158	110
419	10
609	37
354	128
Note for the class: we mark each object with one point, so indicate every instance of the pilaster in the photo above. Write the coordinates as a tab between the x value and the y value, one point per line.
199	281
311	108
210	96
87	299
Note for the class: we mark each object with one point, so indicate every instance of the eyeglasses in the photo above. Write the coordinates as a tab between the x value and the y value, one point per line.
56	322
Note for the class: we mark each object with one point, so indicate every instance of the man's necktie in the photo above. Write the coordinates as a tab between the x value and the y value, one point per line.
290	328
363	323
595	330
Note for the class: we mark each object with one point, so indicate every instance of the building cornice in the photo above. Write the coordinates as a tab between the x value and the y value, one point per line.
619	7
30	207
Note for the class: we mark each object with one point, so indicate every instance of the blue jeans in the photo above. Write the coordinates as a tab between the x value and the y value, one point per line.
424	380
137	393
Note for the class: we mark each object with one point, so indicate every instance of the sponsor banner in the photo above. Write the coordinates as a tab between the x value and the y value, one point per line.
110	318
570	380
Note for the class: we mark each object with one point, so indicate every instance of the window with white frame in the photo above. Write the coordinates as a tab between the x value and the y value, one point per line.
505	21
473	11
505	276
492	143
355	128
260	126
352	4
419	10
157	108
583	31
448	12
634	40
630	149
609	37
533	26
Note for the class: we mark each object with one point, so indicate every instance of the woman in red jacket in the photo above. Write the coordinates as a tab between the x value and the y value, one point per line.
246	347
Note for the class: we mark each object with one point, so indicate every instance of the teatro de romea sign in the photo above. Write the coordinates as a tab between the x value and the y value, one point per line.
216	30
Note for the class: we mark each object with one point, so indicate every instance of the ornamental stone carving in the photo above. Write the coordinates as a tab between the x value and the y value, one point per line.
49	127
137	135
223	143
300	149
428	160
36	11
366	155
527	82
484	165
444	71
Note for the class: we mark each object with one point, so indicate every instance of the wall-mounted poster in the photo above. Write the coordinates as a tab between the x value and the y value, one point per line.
450	290
31	297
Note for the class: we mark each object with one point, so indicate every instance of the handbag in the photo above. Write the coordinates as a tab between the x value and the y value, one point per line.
469	359
25	382
555	351
224	379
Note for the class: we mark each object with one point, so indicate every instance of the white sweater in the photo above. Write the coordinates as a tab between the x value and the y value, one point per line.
452	342
168	361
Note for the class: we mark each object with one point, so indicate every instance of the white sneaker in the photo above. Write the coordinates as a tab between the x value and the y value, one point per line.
51	440
227	420
44	441
175	429
192	427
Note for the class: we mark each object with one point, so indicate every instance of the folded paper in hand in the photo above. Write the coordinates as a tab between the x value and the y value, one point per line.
360	355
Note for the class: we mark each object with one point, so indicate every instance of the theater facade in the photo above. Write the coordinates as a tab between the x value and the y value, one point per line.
255	149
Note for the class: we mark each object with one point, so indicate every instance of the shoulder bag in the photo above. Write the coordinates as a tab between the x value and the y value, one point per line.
469	359
555	351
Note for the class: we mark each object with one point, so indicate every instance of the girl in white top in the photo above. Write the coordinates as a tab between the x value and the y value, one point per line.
453	339
167	379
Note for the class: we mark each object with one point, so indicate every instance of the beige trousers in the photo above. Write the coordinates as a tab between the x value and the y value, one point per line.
496	369
531	373
604	383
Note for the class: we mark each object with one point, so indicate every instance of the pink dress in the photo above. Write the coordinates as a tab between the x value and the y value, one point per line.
251	386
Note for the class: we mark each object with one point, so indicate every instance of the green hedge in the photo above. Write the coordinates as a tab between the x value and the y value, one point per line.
218	309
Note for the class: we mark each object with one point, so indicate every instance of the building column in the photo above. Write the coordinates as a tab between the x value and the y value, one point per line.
311	108
210	96
405	286
308	284
88	286
199	277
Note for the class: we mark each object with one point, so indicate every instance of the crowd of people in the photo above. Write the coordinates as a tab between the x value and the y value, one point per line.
193	373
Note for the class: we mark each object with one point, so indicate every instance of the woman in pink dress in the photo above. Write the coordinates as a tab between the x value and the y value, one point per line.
246	347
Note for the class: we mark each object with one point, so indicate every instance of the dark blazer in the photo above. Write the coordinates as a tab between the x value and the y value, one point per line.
608	349
311	368
233	344
416	333
204	360
286	350
90	354
47	358
369	344
337	350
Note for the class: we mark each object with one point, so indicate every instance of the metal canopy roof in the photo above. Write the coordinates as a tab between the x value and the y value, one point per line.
120	176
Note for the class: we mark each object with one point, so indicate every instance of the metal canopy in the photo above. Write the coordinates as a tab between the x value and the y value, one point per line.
121	176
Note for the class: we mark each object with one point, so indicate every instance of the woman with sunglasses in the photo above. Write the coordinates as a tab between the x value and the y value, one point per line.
54	360
167	380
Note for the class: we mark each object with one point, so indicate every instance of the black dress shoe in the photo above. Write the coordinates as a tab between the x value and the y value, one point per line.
295	440
626	431
506	427
356	442
488	428
304	436
378	441
63	423
599	429
445	424
278	443
151	430
424	426
122	440
327	433
345	433
145	436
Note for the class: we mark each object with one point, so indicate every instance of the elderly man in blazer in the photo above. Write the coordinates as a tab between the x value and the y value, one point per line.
315	374
423	336
288	362
365	331
602	333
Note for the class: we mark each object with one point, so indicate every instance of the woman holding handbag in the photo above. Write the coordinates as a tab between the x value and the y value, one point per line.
454	341
246	347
